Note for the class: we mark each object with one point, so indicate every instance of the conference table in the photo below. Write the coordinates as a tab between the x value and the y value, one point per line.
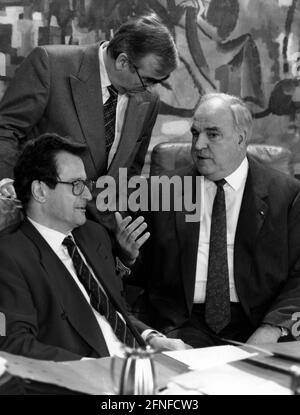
28	376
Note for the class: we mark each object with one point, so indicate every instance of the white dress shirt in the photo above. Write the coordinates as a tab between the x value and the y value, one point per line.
54	240
234	189
121	104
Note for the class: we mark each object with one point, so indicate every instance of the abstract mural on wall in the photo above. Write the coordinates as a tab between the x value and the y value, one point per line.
249	48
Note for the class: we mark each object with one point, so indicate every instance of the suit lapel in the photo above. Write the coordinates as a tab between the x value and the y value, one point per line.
188	235
136	112
253	211
98	258
67	293
87	95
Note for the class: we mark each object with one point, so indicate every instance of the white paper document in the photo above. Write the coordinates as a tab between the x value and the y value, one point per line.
207	357
88	376
2	366
225	380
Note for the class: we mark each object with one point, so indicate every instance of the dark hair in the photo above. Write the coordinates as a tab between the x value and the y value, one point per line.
142	36
37	161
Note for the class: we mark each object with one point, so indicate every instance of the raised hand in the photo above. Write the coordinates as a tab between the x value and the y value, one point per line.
130	237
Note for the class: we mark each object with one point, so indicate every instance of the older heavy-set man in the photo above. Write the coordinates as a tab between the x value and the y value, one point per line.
234	273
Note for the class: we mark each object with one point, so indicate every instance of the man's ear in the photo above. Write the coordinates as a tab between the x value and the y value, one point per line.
242	137
122	61
39	191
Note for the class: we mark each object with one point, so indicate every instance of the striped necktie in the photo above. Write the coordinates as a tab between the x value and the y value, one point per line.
110	117
98	298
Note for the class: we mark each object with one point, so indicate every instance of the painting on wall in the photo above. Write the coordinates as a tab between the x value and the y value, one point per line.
248	48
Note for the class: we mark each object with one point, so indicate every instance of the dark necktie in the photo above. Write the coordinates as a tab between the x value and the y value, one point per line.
110	117
98	298
217	302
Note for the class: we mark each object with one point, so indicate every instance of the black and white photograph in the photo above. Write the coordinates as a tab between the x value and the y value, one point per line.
149	201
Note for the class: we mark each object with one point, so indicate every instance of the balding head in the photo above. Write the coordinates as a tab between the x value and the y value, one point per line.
222	124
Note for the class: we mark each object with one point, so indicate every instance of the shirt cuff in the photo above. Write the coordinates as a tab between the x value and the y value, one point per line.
284	331
148	334
121	268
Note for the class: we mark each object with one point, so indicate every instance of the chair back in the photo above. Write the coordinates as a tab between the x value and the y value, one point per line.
173	155
10	216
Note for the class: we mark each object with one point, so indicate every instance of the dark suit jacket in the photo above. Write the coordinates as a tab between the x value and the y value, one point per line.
57	89
46	314
266	254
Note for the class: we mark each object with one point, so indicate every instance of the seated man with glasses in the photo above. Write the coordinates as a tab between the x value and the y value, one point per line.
59	292
79	185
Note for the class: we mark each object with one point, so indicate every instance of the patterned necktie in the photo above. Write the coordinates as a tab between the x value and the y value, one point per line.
98	298
217	302
110	117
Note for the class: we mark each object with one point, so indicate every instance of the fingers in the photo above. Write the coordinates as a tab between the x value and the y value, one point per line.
177	344
130	234
188	346
138	231
163	343
7	190
122	223
125	223
133	236
118	217
136	224
132	229
142	240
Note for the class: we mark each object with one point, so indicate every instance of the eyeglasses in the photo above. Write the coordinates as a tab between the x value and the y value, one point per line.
148	81
140	78
79	185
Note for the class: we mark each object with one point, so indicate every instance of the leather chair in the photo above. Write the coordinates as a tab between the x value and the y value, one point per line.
10	216
173	155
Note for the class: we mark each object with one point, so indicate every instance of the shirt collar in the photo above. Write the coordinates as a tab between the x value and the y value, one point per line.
239	176
105	81
53	238
236	179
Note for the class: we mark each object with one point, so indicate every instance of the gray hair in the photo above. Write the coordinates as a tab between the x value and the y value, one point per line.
242	118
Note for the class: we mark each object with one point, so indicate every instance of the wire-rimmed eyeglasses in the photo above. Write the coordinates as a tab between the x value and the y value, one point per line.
139	76
79	185
148	80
